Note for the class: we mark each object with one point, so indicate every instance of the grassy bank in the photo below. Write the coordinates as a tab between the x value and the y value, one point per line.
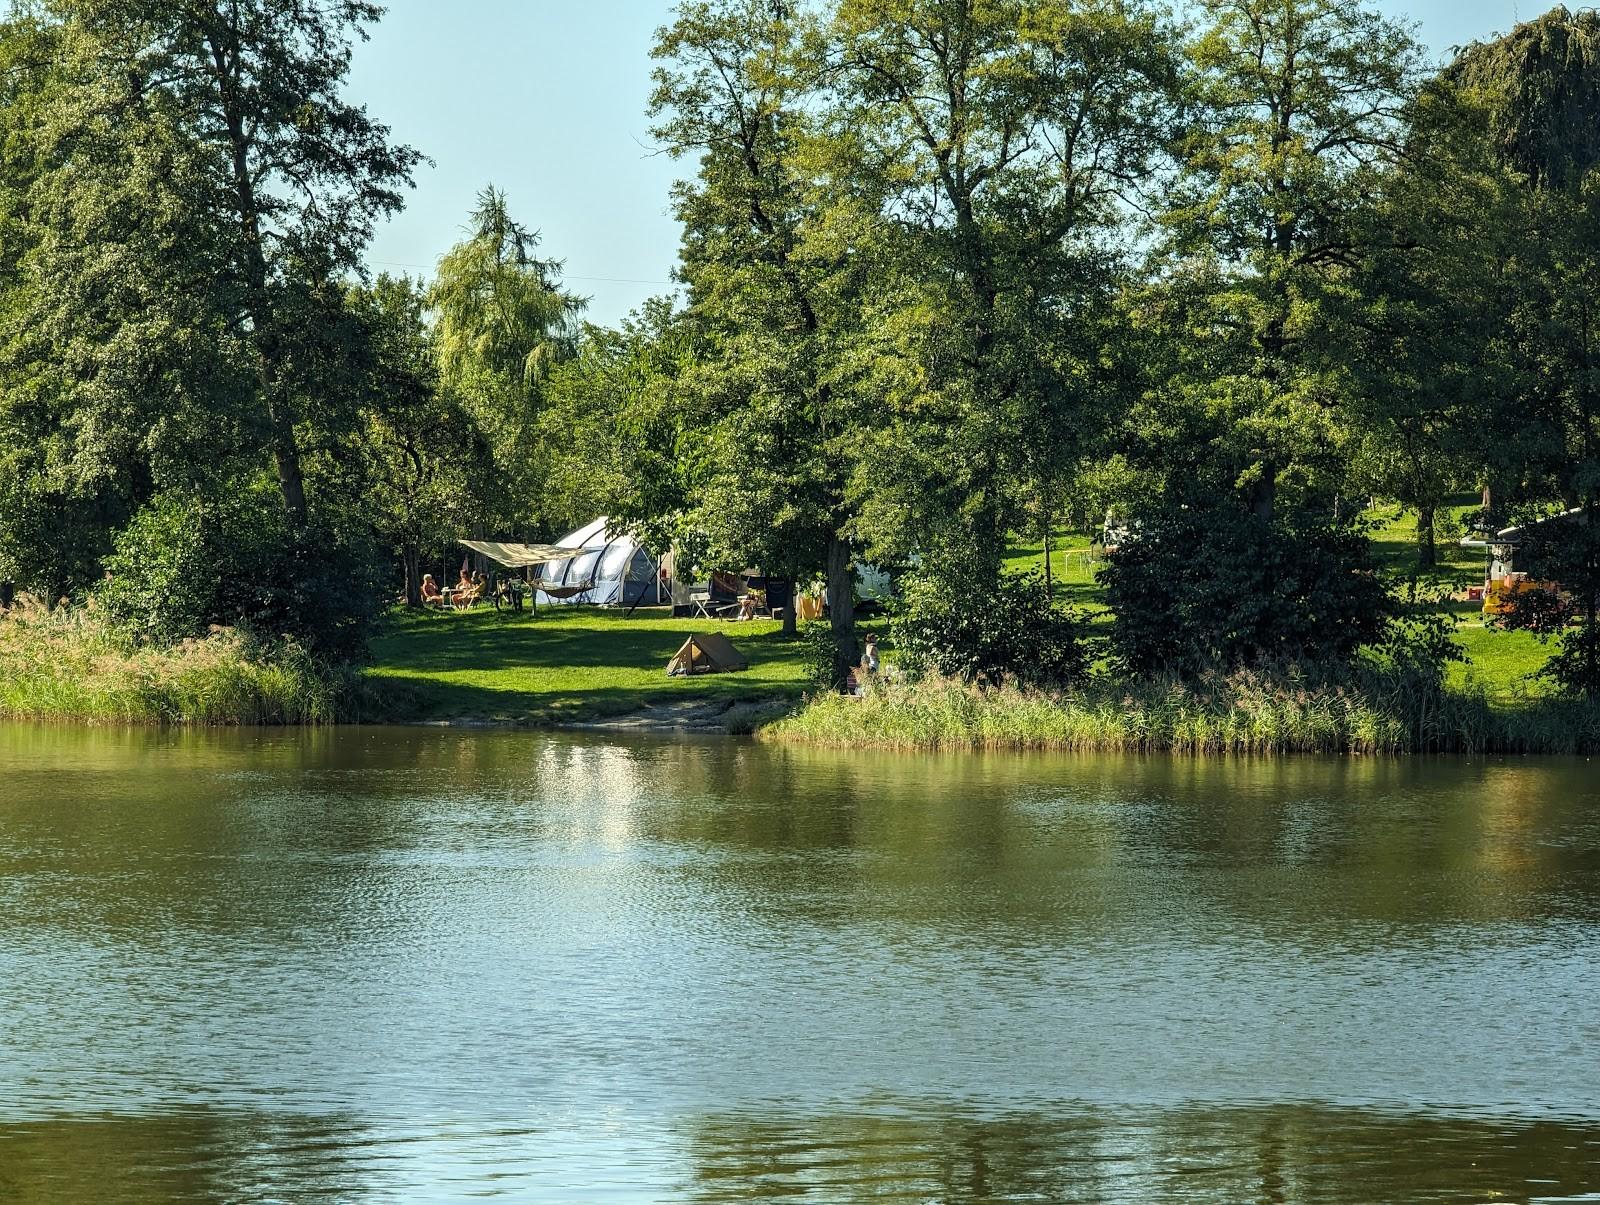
568	664
575	664
67	666
1243	713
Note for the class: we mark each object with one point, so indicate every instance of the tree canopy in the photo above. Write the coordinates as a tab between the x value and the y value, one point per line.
948	271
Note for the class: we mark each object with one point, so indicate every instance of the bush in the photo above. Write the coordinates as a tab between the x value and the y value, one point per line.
185	563
1192	592
1418	643
1013	632
821	653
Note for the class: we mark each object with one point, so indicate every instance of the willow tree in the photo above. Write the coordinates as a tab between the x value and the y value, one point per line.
502	322
1542	92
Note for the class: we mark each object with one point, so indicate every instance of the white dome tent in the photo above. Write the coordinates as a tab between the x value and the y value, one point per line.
605	568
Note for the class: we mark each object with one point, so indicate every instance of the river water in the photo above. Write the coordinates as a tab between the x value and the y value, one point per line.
416	964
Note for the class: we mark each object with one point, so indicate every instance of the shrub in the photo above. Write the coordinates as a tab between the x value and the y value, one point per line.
1193	591
185	563
1013	631
1418	643
821	653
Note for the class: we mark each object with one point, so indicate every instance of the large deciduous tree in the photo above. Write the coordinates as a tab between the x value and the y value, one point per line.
1298	105
201	184
773	296
1540	85
419	461
1420	328
1008	139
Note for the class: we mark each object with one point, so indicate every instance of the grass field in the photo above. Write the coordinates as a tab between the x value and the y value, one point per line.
566	663
577	663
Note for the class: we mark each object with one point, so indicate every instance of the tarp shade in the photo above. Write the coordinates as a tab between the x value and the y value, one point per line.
517	556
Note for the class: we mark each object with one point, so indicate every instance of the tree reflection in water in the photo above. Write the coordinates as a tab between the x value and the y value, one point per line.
421	963
891	1150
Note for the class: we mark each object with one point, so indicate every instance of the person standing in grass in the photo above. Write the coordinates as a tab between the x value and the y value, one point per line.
869	658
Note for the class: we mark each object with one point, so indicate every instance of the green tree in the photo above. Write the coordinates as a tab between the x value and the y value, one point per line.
1007	139
1299	105
502	322
1540	85
773	298
620	442
200	185
420	461
1422	325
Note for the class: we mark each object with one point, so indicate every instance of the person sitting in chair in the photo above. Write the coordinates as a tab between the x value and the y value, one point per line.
747	607
869	656
432	596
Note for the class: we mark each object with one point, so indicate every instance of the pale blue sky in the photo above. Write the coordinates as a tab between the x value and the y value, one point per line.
546	99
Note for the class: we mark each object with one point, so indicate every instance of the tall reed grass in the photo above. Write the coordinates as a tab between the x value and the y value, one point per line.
1242	713
72	665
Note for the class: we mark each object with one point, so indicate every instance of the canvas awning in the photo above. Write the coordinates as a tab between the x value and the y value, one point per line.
517	556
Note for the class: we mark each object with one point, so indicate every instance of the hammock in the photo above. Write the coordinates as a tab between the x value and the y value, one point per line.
567	591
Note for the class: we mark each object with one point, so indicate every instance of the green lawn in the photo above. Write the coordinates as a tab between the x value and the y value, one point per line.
574	663
567	663
1502	661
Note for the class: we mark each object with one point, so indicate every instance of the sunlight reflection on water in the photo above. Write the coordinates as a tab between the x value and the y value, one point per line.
417	963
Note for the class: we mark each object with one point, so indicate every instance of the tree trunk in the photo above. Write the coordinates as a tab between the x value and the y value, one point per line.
790	620
411	557
1427	555
285	449
1264	494
1049	588
842	609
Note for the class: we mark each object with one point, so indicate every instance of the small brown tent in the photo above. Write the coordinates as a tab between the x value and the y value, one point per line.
708	654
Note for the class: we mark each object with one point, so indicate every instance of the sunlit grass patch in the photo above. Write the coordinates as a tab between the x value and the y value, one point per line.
569	662
1241	713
